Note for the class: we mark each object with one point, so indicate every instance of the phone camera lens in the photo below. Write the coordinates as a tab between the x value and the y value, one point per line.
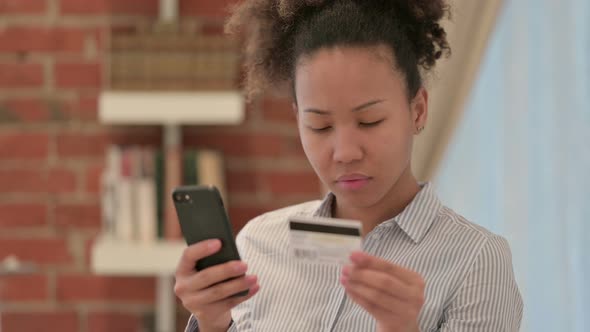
178	197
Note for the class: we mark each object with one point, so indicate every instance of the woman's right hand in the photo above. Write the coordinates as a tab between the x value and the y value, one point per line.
205	293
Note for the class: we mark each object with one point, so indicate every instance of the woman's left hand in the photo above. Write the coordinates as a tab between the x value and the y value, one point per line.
392	294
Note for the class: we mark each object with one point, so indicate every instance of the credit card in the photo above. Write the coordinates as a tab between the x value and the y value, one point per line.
324	240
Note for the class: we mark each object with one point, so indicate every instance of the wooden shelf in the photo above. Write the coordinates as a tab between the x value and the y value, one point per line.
123	258
174	108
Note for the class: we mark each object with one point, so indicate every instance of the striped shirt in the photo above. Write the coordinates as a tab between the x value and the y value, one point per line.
470	284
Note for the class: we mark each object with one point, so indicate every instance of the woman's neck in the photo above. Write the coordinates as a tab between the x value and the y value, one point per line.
393	203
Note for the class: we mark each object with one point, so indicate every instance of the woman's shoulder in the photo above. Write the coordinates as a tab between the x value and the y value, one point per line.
453	221
470	233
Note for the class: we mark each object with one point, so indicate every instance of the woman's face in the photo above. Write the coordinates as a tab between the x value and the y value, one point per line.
355	122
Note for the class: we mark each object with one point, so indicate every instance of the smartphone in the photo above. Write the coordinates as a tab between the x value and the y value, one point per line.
202	216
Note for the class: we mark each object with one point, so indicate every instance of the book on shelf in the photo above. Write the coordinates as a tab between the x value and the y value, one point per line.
172	178
134	193
205	167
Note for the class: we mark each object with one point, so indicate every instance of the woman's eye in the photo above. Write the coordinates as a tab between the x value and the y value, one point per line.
370	124
321	129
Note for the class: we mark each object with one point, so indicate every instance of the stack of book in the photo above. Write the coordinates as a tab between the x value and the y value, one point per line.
133	188
172	61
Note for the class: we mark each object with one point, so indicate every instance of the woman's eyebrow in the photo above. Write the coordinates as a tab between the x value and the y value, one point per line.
365	105
355	109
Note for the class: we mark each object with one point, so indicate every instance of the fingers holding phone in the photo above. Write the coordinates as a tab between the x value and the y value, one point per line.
209	294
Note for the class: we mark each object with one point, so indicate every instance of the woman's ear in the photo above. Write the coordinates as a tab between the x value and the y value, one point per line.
294	109
419	109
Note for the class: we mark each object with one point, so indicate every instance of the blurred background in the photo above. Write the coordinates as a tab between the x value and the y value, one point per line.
106	105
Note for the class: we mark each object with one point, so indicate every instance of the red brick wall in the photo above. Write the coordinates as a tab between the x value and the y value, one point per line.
51	155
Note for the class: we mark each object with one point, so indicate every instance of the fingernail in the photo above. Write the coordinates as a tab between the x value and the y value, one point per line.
346	270
344	280
254	288
214	244
250	280
356	258
240	267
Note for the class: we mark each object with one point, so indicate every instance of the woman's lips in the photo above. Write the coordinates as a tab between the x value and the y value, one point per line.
352	181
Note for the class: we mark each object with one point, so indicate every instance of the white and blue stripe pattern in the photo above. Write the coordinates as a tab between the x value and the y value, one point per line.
470	283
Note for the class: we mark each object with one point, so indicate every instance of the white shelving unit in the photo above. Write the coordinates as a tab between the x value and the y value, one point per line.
172	110
115	257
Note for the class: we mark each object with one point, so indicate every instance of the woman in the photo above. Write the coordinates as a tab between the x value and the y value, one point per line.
355	72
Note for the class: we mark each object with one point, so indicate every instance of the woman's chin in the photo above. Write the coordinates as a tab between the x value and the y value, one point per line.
355	199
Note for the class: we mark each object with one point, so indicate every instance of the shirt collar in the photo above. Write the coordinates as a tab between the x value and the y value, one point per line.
414	220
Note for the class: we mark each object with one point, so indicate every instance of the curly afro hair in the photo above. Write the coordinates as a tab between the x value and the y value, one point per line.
278	32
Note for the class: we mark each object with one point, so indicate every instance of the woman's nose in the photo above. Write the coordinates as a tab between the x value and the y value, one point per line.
346	147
